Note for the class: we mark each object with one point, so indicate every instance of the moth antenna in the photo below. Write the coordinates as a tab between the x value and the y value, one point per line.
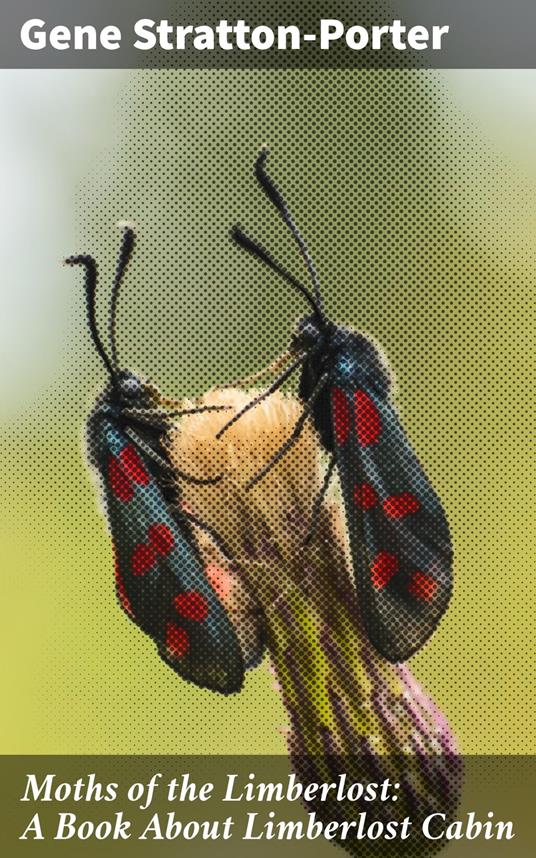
261	253
125	255
273	194
90	266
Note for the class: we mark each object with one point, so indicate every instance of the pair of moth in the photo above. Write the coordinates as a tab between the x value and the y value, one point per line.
398	532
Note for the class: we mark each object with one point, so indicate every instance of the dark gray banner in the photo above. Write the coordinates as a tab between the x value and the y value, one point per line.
330	34
239	805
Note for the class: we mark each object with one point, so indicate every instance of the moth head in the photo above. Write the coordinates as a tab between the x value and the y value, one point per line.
129	386
132	391
307	334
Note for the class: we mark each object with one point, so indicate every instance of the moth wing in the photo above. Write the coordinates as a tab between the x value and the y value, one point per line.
160	579
399	534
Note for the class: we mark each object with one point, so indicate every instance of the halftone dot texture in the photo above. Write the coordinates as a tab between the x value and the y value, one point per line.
327	629
407	216
424	240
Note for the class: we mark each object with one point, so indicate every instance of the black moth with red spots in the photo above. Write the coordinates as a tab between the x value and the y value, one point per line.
399	536
160	581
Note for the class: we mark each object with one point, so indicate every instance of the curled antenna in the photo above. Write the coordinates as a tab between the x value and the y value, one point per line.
261	253
90	266
275	197
125	255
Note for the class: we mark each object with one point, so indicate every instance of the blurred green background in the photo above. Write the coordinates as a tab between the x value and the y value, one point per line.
416	191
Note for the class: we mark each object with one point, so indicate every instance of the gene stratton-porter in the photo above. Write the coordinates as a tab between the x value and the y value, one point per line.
225	36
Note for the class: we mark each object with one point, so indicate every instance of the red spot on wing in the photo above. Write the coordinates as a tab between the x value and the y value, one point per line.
385	565
340	410
133	466
398	506
143	558
367	417
422	586
124	471
118	481
160	542
161	539
191	606
177	641
365	496
120	588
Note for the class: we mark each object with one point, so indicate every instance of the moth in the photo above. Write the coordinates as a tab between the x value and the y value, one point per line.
160	580
398	532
